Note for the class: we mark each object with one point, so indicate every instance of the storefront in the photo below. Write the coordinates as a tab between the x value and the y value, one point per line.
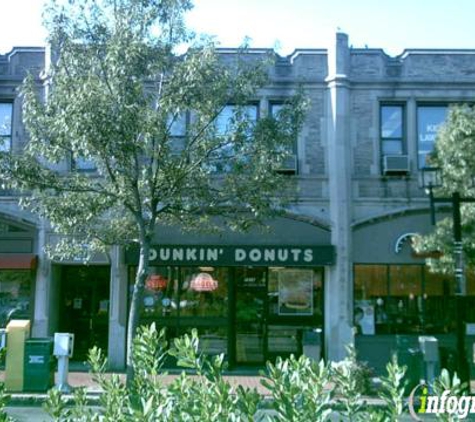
251	302
83	309
17	271
396	297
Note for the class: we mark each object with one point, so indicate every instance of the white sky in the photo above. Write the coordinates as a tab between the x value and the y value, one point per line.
389	24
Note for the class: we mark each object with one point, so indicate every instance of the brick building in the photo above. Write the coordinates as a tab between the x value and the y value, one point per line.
343	252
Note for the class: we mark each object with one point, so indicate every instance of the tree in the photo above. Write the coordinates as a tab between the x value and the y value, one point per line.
454	154
115	95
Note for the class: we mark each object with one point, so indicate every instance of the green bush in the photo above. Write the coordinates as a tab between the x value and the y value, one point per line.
300	390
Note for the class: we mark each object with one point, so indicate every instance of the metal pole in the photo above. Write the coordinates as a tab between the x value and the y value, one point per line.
461	288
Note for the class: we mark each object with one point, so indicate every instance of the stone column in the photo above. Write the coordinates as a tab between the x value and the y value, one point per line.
339	283
41	319
117	310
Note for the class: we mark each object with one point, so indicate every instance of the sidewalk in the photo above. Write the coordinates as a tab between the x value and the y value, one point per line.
85	379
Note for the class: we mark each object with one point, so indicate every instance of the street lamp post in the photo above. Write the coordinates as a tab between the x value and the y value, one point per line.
431	178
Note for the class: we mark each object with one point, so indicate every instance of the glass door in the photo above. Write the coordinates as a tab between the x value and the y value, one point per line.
251	315
85	307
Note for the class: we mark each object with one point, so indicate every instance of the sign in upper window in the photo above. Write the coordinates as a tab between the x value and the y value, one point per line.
429	120
6	113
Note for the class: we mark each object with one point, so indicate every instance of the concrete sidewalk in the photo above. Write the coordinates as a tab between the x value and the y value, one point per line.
86	380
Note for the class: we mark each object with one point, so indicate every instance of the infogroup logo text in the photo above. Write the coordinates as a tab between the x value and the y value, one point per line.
421	404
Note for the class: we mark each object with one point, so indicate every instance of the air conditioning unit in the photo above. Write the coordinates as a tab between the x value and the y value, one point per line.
396	164
289	165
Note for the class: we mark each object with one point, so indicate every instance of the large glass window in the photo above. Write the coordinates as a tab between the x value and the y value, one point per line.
392	129
233	126
185	292
182	298
15	295
6	112
406	299
429	120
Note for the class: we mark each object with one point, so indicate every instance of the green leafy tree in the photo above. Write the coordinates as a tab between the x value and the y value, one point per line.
123	75
455	156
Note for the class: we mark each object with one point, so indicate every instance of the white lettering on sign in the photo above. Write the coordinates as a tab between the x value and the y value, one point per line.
269	254
185	254
36	359
152	256
308	255
239	255
272	255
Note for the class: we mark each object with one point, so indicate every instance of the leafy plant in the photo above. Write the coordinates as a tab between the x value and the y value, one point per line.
4	399
352	381
453	386
300	389
393	387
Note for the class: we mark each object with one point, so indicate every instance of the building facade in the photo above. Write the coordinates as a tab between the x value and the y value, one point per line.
340	262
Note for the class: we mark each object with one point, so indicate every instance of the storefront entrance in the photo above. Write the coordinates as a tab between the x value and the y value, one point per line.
251	316
84	309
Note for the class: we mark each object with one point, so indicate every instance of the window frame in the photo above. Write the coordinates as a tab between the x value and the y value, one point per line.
9	136
402	139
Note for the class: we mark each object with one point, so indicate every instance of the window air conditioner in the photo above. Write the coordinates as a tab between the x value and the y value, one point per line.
289	165
395	164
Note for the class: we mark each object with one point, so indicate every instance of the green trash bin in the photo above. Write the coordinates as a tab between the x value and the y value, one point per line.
39	365
411	357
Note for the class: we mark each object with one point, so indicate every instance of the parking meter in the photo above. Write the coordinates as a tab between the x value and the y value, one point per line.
63	350
430	354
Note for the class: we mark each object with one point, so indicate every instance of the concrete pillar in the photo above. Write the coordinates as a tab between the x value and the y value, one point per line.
117	310
40	326
339	283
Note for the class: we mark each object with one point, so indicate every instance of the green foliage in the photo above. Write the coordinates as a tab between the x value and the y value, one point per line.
115	93
299	389
393	386
453	386
4	399
352	382
455	156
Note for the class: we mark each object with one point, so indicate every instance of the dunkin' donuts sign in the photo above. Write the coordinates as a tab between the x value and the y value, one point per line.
294	256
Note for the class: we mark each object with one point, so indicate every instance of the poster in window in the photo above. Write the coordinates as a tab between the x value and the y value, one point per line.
364	317
296	292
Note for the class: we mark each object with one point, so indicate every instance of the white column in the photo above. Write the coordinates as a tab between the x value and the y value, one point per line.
40	326
118	310
339	284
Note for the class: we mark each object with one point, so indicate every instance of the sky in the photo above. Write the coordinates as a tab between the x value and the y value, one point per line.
393	25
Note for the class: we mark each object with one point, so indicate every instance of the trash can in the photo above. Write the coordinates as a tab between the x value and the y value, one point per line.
411	357
312	344
39	365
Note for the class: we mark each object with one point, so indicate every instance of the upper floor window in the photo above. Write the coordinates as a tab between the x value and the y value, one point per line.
233	125
83	164
392	129
429	120
177	125
232	116
6	113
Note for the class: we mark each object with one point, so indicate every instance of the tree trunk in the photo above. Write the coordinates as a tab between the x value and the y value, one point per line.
136	303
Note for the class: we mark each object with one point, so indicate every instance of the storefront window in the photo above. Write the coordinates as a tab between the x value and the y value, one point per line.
185	292
295	292
15	295
204	292
402	299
